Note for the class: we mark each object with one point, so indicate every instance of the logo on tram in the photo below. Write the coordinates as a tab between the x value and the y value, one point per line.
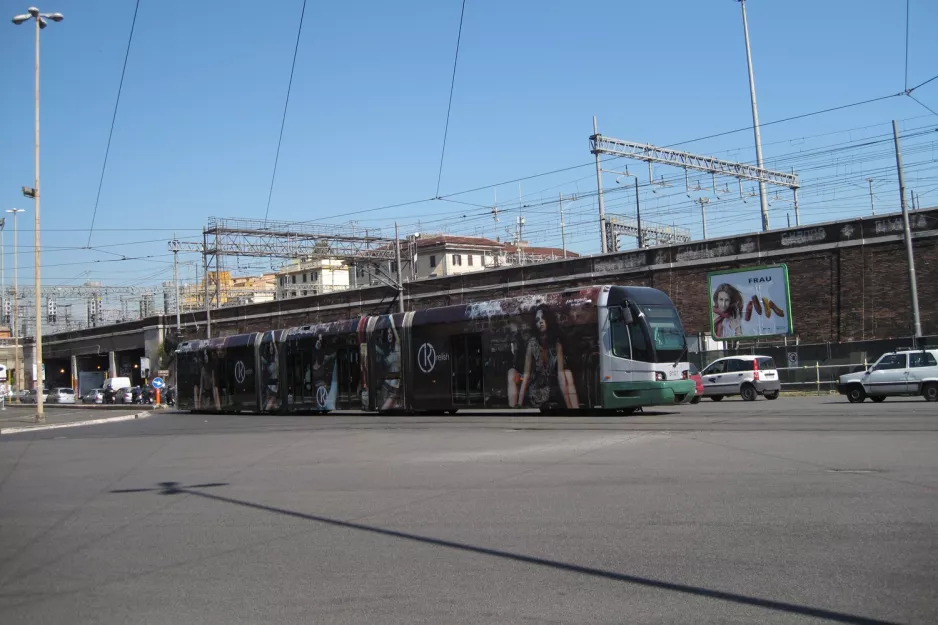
322	395
239	372
426	358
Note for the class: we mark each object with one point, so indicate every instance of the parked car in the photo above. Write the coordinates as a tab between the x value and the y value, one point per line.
909	372
62	395
126	395
694	374
747	376
30	396
94	396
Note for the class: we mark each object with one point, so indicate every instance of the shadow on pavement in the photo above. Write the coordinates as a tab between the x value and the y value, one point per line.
174	488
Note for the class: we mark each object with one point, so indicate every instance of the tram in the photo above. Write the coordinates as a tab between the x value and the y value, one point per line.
598	348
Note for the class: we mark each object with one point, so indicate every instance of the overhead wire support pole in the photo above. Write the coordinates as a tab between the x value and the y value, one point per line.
913	286
763	200
703	213
174	245
563	231
217	273
595	141
400	279
797	210
208	308
638	216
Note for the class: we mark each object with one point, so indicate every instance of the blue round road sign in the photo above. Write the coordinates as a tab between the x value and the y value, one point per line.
157	383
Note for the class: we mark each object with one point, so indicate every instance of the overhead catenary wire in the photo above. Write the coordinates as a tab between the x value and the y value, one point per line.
107	149
286	104
449	105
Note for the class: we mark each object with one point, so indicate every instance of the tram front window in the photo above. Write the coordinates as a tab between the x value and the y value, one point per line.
667	332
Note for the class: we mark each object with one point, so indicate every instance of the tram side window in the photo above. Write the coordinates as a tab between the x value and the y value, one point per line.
631	336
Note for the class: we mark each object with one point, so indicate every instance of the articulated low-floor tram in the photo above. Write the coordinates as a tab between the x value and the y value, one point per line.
599	348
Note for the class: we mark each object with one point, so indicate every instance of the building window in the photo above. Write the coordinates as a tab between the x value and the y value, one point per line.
470	260
283	280
304	293
432	261
304	276
457	259
292	293
293	279
315	276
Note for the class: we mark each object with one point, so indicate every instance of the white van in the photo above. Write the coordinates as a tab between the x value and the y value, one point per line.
116	384
911	372
111	386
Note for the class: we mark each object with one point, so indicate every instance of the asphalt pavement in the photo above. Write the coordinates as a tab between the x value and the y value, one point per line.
801	510
16	418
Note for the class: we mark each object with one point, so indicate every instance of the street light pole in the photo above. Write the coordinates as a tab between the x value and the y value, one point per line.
763	200
41	22
15	306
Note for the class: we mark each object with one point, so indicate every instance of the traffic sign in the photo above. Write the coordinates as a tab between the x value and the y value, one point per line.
157	383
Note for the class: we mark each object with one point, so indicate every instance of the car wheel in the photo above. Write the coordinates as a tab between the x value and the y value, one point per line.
878	398
772	395
855	394
716	397
748	392
930	391
696	399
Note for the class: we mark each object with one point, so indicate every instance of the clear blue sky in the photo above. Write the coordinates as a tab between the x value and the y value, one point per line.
197	127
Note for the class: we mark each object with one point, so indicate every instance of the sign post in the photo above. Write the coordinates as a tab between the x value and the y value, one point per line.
157	383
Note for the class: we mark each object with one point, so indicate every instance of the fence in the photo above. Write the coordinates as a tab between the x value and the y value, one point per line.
815	367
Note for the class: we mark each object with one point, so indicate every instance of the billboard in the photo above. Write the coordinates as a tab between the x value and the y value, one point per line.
749	303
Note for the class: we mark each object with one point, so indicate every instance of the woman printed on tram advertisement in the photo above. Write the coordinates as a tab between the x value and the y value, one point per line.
389	353
516	358
547	380
270	370
205	393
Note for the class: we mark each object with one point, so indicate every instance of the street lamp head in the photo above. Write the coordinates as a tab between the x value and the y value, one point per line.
42	22
55	17
33	11
19	19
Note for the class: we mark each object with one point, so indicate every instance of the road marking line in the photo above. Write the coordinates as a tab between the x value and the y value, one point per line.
72	424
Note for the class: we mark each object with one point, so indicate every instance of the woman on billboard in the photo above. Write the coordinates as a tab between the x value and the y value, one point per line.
727	311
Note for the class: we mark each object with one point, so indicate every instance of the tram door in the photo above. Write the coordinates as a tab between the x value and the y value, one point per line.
349	373
467	371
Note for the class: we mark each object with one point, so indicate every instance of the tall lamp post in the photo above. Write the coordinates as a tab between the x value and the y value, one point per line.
42	20
14	307
763	199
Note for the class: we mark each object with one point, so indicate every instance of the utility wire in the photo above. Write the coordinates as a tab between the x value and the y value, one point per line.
110	134
286	103
922	84
788	119
449	106
930	110
907	3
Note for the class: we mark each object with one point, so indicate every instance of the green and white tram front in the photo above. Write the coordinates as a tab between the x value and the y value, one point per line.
643	352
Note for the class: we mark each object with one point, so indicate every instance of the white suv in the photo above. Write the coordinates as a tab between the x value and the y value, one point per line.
912	372
748	376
